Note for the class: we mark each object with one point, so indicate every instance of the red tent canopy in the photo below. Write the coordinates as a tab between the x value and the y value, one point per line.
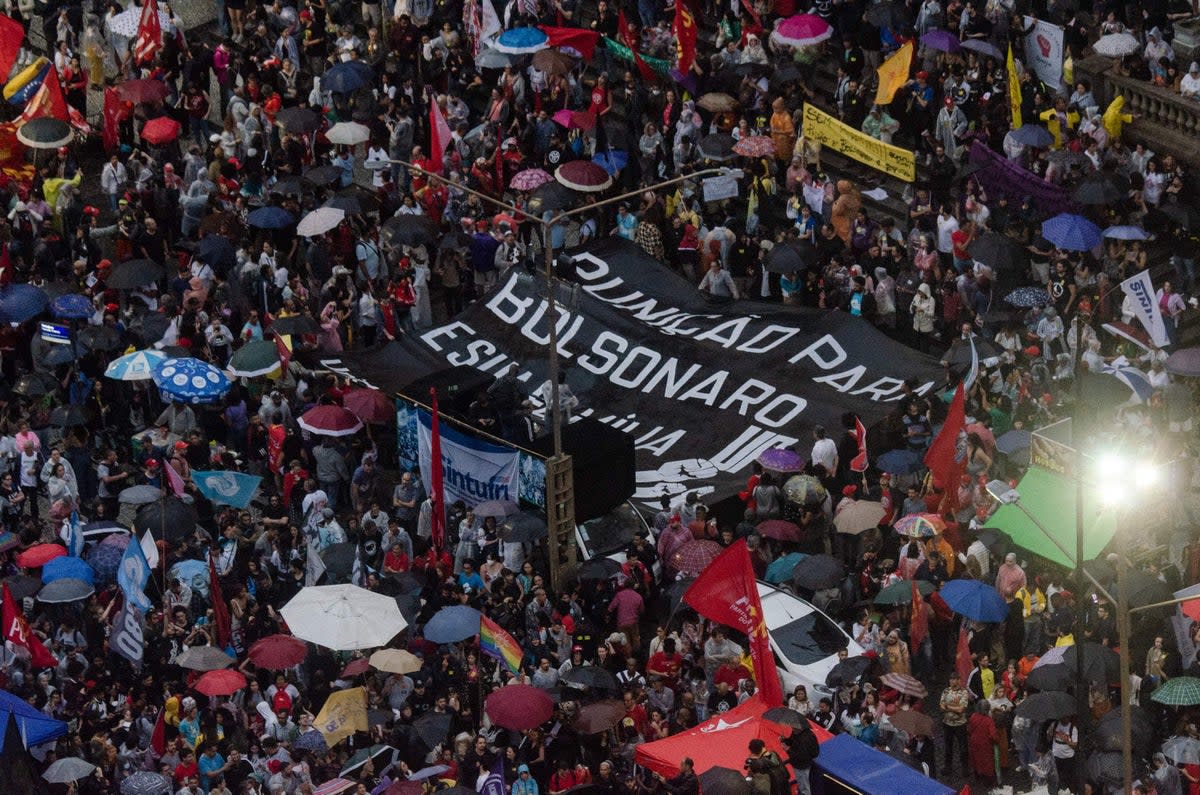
720	741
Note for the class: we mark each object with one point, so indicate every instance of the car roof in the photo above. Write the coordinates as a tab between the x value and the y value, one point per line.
780	607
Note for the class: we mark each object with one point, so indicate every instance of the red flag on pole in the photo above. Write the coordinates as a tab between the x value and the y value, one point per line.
758	26
221	621
578	39
962	656
859	462
439	135
149	35
285	353
918	623
625	35
11	37
17	633
158	739
686	33
727	593
437	486
114	112
943	458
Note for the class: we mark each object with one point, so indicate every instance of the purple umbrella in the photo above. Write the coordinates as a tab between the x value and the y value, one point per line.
105	557
942	40
779	459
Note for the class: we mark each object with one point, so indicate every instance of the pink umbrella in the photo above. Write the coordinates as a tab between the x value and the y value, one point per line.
370	405
575	119
802	30
755	146
583	176
330	421
693	557
529	179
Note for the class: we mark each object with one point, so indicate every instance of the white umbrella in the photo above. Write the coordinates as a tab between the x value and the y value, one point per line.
348	133
126	23
1182	750
320	221
1116	45
67	770
343	617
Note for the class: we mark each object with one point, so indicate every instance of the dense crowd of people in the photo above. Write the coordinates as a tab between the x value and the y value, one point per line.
189	245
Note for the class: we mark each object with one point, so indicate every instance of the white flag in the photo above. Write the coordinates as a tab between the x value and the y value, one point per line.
1141	290
491	28
150	549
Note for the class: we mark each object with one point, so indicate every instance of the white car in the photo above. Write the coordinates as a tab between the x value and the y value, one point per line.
611	534
804	639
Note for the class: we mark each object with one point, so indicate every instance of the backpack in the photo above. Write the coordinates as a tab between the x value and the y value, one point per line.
802	748
778	773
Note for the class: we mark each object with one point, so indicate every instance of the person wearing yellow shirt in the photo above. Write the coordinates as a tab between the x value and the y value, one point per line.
982	681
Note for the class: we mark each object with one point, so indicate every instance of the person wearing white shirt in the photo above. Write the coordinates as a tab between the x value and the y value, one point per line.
1189	86
824	451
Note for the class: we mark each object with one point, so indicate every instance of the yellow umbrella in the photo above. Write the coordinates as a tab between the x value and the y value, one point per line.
395	661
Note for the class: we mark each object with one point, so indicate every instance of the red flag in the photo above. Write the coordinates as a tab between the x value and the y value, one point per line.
625	36
437	486
18	633
285	353
727	593
221	620
114	113
1191	609
918	623
685	31
11	37
582	41
439	135
962	657
859	462
174	480
943	458
149	35
758	27
158	739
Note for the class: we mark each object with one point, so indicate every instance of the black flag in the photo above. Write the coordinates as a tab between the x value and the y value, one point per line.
17	772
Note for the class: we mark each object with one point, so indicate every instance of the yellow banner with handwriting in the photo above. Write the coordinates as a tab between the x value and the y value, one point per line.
855	144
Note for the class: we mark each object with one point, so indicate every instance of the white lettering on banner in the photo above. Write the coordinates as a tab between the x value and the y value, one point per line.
516	305
1145	307
748	446
884	389
812	352
781	335
844	381
476	350
718	333
449	331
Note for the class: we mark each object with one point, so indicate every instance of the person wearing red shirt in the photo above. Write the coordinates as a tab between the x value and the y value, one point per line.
666	663
563	778
960	242
187	766
296	474
395	561
635	712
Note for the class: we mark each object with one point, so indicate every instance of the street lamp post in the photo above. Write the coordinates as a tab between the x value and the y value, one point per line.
560	496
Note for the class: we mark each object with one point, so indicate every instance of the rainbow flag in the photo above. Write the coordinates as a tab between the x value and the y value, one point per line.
495	642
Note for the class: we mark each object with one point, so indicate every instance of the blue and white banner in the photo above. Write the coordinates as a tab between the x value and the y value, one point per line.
473	470
227	488
132	576
1140	288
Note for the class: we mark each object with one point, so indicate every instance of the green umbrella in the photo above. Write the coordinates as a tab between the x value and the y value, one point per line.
804	489
1182	691
899	593
359	759
254	359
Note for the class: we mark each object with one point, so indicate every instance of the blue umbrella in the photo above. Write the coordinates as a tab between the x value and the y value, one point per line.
72	307
452	624
1034	135
21	302
194	573
975	600
781	569
138	366
1071	232
105	560
345	77
1013	441
1133	378
941	40
312	741
217	252
611	161
1126	233
270	218
76	568
519	41
191	381
898	462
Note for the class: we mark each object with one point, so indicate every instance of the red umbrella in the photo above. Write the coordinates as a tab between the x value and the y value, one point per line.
370	405
356	667
139	91
779	529
519	707
755	146
693	557
330	421
220	683
160	130
277	652
584	176
39	555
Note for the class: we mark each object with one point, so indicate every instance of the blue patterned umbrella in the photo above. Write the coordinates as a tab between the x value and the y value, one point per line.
1071	232
1034	135
139	366
21	302
310	741
76	568
520	41
191	381
72	306
1026	297
105	559
270	218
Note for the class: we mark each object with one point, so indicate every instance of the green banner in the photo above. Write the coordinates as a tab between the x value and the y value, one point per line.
661	66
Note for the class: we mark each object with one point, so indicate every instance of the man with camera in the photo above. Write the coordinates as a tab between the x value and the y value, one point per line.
768	775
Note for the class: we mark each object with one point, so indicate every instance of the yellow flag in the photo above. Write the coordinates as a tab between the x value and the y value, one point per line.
344	713
1014	90
893	73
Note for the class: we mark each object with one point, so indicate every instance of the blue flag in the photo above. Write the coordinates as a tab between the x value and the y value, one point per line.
133	574
494	783
74	537
227	488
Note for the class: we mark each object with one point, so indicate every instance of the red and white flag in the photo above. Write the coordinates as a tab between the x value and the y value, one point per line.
149	36
439	136
859	462
285	353
18	635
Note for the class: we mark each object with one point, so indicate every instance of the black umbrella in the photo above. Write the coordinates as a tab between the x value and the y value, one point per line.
169	519
217	252
323	175
58	354
1108	730
999	252
23	585
339	562
1051	677
68	416
1105	768
887	15
455	239
790	257
150	327
959	354
31	385
523	528
133	274
675	593
591	676
718	146
288	186
1047	706
1145	589
1099	188
724	781
818	572
551	197
298	120
45	133
350	205
996	541
408	230
100	338
786	717
1101	665
848	670
598	569
1176	214
403	582
788	73
410	606
295	324
432	728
